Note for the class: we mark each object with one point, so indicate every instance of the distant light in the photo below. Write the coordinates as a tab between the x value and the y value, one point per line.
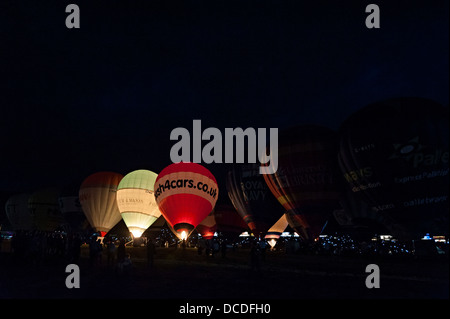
386	237
288	234
426	237
439	239
244	234
183	235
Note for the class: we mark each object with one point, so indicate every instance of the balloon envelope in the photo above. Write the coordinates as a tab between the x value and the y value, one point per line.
252	199
394	155
44	208
228	221
185	193
306	180
72	212
207	226
277	229
136	201
18	212
98	200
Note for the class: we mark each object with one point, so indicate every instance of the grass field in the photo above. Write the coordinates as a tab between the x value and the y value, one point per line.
183	274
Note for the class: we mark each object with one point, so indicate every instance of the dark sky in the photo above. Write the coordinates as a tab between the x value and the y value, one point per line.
106	96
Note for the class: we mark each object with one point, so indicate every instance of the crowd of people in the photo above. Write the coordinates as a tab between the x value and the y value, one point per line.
38	247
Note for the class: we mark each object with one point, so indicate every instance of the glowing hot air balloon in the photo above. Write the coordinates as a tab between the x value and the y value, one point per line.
98	200
136	201
185	193
276	230
306	181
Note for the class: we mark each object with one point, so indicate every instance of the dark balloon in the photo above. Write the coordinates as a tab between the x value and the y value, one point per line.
252	198
229	224
394	155
207	226
306	180
44	209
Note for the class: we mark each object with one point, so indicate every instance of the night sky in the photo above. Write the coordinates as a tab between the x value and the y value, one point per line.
106	96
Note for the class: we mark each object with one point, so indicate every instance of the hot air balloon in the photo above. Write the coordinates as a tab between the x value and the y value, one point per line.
155	229
69	204
207	226
98	200
252	198
72	212
136	200
229	224
305	182
276	230
18	212
44	208
357	213
394	155
185	193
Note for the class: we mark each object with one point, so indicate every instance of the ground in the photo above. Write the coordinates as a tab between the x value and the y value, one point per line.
183	274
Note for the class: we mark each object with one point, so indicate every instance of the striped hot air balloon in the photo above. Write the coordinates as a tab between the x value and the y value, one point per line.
306	180
252	198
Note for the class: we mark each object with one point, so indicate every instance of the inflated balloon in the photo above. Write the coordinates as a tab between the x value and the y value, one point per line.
44	209
155	229
394	155
98	200
252	198
207	227
72	212
356	213
69	204
229	224
306	180
136	201
18	212
185	193
276	230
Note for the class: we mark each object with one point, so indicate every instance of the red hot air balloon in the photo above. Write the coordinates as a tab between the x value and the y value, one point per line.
185	193
305	182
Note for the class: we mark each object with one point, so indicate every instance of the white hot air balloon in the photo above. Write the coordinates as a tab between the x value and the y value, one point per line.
98	200
136	201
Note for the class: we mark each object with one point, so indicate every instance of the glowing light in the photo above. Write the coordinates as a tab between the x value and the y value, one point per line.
136	233
183	235
272	242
